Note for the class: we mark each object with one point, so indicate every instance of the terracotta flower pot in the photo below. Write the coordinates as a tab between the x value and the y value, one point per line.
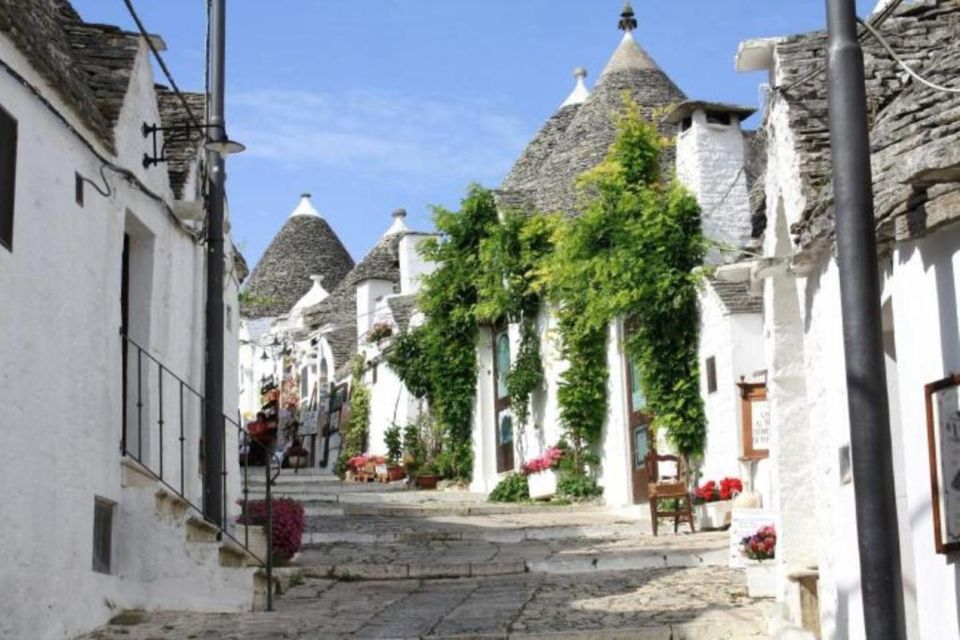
396	472
428	481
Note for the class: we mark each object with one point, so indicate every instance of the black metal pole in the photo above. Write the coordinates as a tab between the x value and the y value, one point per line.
213	379
879	544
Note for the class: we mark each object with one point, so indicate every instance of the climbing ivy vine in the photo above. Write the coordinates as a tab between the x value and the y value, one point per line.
635	252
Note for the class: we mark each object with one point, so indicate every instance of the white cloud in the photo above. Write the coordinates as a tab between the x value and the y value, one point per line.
392	135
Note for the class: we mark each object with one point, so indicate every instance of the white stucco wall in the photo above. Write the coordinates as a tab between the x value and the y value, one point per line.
412	265
60	367
736	342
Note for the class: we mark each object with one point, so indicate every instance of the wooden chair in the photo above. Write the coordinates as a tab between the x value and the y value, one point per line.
672	485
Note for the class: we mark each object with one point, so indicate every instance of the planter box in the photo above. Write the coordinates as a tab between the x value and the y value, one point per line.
714	515
298	462
427	482
395	473
762	579
543	484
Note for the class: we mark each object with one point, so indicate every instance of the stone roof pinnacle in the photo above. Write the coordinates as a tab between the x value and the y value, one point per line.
628	20
580	92
305	207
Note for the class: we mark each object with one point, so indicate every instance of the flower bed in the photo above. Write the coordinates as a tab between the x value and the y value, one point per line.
288	525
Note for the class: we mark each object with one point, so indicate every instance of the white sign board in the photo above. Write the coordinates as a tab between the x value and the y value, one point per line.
309	425
760	416
744	523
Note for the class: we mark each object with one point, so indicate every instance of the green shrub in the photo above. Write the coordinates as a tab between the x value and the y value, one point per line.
394	442
513	488
578	487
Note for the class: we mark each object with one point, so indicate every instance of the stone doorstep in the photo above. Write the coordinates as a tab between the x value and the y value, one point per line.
199	530
518	534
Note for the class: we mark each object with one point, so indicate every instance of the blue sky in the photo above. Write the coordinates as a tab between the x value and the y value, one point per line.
372	105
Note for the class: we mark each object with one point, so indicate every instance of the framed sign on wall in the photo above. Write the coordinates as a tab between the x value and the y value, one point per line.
755	414
943	441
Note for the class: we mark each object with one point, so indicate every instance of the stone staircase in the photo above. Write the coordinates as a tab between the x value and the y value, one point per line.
389	532
191	563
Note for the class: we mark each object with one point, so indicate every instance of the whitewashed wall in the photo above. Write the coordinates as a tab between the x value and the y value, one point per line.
60	368
736	342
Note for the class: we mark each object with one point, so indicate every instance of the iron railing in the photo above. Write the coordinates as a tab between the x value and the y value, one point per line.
141	368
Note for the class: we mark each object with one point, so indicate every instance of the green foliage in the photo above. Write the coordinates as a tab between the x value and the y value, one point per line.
634	253
578	487
509	288
526	374
513	488
394	442
358	428
438	360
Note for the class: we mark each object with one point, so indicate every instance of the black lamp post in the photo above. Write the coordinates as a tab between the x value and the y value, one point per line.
880	575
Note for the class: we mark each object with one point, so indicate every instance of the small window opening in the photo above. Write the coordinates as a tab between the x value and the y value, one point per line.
711	374
374	374
102	535
718	117
686	124
229	318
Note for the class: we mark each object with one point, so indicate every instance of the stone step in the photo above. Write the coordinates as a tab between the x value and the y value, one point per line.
502	535
565	565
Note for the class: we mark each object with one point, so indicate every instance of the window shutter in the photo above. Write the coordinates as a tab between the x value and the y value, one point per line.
8	175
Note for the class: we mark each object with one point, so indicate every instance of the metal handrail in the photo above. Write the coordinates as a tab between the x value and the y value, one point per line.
243	436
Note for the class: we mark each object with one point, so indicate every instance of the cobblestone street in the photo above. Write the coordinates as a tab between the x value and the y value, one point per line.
446	565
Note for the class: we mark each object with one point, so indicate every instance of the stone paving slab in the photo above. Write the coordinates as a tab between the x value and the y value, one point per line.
704	603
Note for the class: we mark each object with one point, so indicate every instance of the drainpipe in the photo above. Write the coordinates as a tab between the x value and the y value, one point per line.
877	533
213	424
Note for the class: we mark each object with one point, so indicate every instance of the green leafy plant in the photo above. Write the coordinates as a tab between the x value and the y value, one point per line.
513	488
578	487
394	441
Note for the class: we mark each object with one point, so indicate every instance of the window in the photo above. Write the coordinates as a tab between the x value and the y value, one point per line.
686	124
711	375
8	176
718	117
102	535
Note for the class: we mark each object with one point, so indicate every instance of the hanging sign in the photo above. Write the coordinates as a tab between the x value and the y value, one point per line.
943	440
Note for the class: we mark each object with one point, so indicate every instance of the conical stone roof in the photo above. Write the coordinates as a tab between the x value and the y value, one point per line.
584	142
306	246
520	185
339	310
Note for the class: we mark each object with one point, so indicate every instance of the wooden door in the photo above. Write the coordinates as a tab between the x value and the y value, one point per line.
502	411
640	444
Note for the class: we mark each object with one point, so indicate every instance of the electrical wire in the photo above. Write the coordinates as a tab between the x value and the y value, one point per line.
877	21
893	54
162	64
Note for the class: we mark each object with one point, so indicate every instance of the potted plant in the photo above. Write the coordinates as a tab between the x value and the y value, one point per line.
761	549
713	502
297	456
394	442
428	476
541	473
